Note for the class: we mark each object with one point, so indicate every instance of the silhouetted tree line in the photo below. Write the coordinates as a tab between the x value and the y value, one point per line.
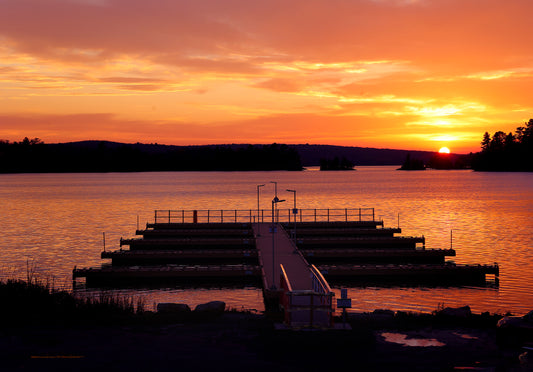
412	164
506	152
336	164
29	156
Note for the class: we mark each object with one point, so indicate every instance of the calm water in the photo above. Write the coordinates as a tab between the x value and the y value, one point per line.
52	222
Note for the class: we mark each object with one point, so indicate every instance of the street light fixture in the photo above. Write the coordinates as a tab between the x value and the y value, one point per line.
295	212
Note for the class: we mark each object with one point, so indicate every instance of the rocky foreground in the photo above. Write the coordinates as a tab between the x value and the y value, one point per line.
184	340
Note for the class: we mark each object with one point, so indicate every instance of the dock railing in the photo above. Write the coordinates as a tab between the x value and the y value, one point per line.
307	308
263	215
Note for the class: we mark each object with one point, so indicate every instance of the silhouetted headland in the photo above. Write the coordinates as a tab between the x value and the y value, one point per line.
506	152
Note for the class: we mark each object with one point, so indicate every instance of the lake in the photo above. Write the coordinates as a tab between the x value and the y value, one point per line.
53	222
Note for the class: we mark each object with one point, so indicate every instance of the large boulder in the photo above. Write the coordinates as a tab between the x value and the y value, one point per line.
173	308
212	308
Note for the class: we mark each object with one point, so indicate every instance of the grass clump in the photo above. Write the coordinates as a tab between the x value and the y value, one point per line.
27	303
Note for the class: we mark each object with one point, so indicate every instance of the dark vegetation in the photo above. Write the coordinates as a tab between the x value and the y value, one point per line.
506	152
336	164
27	303
29	156
412	164
44	329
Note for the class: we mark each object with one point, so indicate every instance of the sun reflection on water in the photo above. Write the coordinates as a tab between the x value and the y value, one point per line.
53	222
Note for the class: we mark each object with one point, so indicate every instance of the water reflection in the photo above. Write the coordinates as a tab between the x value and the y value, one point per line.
402	339
55	221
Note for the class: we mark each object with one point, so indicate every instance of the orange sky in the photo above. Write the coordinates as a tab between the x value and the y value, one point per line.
406	74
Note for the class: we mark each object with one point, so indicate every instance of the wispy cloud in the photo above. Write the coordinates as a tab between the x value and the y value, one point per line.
362	71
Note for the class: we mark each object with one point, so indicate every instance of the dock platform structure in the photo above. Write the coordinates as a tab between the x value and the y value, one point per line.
293	258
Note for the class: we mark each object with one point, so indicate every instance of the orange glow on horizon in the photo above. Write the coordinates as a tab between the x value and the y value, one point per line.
444	150
175	73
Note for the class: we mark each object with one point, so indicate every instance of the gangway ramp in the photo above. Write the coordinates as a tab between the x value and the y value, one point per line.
289	280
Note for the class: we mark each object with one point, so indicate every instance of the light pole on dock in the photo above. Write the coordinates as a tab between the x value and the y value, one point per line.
275	193
295	212
258	186
275	201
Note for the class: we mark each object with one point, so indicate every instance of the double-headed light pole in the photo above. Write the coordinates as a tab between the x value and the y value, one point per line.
275	202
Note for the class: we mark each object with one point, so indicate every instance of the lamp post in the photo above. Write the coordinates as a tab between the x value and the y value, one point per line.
274	228
258	212
295	212
275	193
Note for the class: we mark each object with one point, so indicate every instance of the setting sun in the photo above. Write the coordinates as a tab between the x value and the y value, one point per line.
75	70
444	150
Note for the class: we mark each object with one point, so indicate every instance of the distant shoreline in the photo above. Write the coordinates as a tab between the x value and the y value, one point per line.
32	156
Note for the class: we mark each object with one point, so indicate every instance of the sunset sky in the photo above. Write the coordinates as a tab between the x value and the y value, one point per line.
405	74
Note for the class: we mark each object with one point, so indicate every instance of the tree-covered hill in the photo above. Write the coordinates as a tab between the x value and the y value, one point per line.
506	152
31	156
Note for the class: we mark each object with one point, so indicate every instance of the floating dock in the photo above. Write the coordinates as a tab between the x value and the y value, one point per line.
448	273
106	276
292	258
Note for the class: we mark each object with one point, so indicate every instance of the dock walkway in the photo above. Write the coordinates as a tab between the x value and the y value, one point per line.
275	249
288	279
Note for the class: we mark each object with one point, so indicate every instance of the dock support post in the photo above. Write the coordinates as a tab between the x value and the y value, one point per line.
398	220
451	239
